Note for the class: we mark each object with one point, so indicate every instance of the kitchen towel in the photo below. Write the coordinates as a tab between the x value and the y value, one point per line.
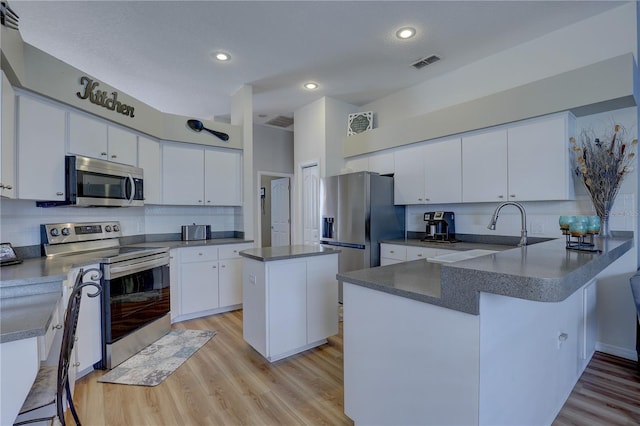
157	361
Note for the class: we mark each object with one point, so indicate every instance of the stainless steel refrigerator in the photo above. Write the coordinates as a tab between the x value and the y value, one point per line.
357	212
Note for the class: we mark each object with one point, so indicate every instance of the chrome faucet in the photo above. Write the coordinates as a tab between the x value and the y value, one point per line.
523	218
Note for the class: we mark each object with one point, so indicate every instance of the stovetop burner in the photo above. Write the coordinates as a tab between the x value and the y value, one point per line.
100	239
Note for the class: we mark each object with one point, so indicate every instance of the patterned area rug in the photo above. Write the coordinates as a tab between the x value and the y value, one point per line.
157	361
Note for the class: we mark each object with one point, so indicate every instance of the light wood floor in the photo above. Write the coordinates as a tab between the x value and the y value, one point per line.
228	383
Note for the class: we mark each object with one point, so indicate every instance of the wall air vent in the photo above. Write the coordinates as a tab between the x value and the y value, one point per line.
280	121
425	61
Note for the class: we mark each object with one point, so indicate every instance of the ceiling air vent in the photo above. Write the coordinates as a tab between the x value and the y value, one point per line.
280	121
425	61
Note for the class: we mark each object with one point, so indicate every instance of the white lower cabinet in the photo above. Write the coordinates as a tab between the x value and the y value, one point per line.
289	305
88	346
394	253
206	280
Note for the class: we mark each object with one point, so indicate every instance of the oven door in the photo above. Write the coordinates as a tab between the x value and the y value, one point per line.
135	293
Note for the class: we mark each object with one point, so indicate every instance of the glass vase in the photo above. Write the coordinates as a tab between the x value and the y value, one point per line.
605	232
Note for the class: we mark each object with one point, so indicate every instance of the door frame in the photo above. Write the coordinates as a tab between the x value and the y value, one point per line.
258	210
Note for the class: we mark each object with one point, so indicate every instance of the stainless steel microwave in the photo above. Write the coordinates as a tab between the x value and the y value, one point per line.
93	182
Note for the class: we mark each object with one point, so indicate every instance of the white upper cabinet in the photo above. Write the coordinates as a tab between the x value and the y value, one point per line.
484	166
41	150
443	171
182	175
198	176
523	162
7	150
96	139
408	185
149	161
539	159
428	174
122	146
87	136
223	177
382	162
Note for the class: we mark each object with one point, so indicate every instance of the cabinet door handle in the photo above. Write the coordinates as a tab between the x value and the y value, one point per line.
500	196
419	254
103	153
214	266
76	364
222	266
114	156
512	195
59	193
57	327
8	187
391	251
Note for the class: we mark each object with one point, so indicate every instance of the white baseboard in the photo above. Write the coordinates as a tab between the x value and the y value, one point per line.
617	351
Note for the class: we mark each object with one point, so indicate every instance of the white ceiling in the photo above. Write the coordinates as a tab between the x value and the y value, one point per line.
159	51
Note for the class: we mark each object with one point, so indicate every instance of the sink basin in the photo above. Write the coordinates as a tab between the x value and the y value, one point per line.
463	255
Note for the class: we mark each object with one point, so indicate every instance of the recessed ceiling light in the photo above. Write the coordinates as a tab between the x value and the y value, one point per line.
221	56
405	33
311	85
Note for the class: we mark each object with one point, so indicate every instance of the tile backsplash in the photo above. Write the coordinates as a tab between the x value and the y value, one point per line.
20	220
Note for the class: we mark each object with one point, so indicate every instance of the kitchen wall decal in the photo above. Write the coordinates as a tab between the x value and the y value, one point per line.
359	122
100	97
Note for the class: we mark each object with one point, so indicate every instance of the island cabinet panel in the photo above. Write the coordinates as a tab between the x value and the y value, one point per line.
41	150
416	364
287	302
513	364
289	305
530	351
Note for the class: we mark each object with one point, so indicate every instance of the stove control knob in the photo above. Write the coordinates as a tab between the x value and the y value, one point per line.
54	232
116	228
107	228
66	231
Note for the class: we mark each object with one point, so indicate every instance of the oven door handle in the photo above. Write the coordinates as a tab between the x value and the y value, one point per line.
131	268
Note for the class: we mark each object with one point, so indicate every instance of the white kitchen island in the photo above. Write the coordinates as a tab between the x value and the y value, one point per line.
496	340
290	298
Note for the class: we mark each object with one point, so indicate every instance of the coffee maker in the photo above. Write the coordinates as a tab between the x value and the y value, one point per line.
440	227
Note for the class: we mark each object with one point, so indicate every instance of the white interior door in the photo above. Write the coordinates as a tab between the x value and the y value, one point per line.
280	213
310	204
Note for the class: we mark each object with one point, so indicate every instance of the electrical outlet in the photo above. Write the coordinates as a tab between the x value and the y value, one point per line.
537	228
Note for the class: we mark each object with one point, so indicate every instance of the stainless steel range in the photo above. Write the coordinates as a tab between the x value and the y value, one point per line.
135	281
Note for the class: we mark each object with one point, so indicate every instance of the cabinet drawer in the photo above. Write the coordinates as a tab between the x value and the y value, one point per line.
232	251
415	253
391	251
198	254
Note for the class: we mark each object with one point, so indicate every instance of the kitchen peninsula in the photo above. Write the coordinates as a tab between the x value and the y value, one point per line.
498	339
290	298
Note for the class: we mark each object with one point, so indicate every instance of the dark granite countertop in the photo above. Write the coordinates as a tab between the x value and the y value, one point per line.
543	272
267	254
459	246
